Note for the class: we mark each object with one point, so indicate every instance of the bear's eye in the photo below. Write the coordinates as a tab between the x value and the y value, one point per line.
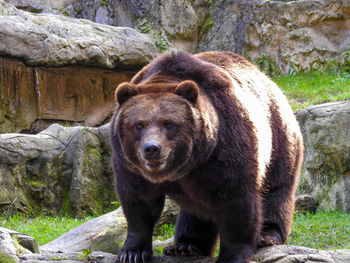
169	124
139	125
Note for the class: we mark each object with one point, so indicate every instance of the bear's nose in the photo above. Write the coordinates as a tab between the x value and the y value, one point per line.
152	151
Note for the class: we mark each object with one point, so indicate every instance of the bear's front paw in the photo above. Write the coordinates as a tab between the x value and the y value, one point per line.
134	255
182	249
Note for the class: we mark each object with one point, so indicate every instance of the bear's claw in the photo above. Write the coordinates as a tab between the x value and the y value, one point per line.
133	257
182	249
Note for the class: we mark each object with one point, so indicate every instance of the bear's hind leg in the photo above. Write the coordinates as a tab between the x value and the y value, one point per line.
278	197
193	236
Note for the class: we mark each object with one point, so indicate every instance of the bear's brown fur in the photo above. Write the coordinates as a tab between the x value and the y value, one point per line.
216	135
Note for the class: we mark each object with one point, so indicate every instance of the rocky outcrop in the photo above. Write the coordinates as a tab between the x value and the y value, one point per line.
52	40
32	98
283	36
47	82
278	35
175	21
60	170
326	168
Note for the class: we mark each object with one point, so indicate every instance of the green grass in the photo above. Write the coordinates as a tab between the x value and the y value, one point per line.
43	228
304	89
164	232
324	230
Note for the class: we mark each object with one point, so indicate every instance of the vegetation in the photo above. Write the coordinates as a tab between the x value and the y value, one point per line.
164	232
143	26
323	230
162	42
305	89
43	228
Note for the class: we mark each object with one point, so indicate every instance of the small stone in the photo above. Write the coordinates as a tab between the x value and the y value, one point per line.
305	203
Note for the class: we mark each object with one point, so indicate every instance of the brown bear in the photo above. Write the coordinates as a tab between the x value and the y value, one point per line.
216	135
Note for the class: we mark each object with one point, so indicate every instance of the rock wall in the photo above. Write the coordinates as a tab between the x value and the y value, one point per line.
44	73
56	40
278	35
326	168
31	98
62	170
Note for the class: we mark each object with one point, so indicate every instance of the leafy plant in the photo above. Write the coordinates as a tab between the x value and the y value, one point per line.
143	26
164	232
162	42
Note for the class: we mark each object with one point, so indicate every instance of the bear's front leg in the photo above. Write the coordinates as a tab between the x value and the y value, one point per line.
141	216
238	221
193	236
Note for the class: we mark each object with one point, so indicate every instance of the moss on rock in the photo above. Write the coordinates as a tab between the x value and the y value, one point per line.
4	258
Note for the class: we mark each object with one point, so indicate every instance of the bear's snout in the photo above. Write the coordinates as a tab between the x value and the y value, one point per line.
152	151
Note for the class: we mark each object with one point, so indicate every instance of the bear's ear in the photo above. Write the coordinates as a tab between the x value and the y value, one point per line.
188	89
124	92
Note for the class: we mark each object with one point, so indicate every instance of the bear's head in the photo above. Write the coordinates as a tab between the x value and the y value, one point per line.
157	126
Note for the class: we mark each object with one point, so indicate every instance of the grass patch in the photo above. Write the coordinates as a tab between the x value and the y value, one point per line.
164	232
43	228
323	230
305	89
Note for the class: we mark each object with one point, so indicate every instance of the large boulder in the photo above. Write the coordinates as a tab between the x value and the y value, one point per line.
180	21
44	78
53	40
62	170
326	168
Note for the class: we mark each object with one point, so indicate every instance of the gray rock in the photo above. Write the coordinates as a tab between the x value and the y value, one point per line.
279	254
302	35
60	170
305	203
291	254
181	21
8	250
326	167
278	35
106	233
24	240
52	40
